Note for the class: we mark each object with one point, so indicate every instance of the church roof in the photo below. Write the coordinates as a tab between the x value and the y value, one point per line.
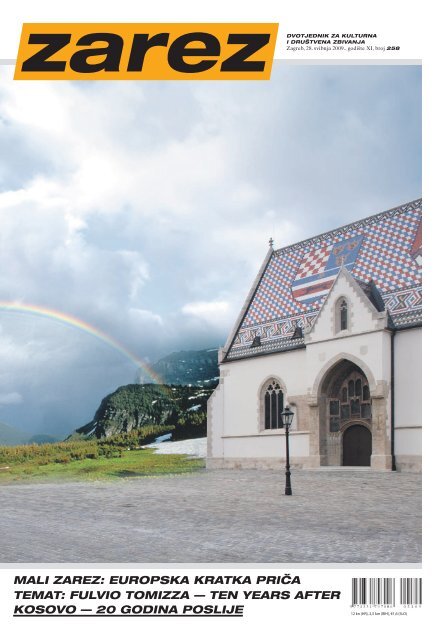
382	252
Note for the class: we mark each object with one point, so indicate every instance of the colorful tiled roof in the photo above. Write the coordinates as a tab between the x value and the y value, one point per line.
385	248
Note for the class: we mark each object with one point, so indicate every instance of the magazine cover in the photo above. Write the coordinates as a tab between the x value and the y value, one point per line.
211	320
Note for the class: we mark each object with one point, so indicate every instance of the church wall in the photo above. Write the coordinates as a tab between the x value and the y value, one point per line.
408	377
408	442
238	434
266	450
370	351
215	422
243	381
408	398
362	315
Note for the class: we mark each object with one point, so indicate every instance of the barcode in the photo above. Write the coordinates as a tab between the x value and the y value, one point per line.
410	590
373	591
382	591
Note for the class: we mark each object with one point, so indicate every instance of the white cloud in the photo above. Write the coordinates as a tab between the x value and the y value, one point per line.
145	317
215	313
205	309
11	398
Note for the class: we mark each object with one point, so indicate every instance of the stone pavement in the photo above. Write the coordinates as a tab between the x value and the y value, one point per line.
343	515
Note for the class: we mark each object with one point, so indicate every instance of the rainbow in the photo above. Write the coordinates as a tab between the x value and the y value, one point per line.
67	319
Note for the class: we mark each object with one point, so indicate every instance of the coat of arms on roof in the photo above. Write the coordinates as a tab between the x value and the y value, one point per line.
319	267
382	252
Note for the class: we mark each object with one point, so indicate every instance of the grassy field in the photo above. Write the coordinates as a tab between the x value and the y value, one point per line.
130	464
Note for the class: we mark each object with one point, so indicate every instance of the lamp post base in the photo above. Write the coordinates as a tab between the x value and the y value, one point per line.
288	488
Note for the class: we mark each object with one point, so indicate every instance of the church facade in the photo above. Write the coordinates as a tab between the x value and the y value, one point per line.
332	328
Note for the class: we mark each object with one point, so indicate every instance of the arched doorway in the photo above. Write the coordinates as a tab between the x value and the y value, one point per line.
357	446
345	416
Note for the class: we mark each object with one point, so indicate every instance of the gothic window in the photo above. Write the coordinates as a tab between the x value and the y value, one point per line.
273	405
334	418
335	407
341	315
345	412
355	407
365	410
353	401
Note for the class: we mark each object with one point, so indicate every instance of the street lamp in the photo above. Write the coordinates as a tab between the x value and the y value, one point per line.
287	417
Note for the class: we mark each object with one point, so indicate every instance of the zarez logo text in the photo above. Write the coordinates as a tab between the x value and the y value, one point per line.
146	51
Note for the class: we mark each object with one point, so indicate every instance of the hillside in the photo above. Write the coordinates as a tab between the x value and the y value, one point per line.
42	438
135	406
198	368
11	435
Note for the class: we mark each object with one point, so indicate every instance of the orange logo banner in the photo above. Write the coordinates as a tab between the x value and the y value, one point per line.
213	51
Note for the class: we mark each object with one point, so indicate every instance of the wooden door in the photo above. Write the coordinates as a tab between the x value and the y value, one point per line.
357	446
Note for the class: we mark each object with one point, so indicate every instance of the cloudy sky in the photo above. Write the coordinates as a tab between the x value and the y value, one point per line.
145	209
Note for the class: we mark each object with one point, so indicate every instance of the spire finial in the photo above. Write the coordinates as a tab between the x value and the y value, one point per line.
271	243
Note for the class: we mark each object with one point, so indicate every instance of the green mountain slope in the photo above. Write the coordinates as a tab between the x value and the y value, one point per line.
139	405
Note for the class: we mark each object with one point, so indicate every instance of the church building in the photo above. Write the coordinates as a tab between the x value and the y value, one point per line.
332	328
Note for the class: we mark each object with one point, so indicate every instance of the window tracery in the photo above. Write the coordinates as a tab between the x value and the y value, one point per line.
341	315
353	401
273	405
